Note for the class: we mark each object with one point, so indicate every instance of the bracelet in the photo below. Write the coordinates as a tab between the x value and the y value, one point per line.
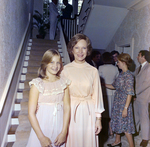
126	107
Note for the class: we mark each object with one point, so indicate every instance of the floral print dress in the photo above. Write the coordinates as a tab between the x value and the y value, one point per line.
124	86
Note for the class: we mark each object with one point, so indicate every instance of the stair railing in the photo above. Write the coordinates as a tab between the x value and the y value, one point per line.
77	24
70	27
66	58
84	14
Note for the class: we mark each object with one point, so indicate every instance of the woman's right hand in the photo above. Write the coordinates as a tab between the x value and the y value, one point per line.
45	142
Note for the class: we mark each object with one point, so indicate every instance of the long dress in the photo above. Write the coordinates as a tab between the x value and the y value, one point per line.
86	104
124	86
49	110
108	74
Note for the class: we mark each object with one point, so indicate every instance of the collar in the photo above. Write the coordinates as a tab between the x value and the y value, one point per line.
143	63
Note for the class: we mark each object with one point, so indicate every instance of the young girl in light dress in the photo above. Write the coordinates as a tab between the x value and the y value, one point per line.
49	104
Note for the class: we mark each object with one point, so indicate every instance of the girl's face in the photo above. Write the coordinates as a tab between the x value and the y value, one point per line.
120	64
54	66
80	51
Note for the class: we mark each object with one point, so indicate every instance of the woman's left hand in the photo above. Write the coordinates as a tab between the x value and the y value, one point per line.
98	126
61	138
124	113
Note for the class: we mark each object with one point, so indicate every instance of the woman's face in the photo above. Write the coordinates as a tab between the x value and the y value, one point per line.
120	64
80	51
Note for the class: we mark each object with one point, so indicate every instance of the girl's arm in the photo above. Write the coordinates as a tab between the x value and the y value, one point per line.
124	112
61	138
32	106
109	86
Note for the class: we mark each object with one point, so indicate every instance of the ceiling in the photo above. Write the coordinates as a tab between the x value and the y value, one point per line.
105	18
118	3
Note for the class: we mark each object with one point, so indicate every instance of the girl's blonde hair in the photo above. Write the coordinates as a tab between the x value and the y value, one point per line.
46	59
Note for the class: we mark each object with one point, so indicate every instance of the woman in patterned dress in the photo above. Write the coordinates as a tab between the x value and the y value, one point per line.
122	116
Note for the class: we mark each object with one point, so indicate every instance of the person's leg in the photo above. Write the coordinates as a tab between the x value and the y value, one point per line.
130	139
53	23
110	130
136	115
117	140
144	119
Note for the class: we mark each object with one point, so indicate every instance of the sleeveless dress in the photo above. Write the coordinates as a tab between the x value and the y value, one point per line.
49	109
86	104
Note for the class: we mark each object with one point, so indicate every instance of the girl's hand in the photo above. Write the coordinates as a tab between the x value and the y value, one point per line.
61	138
124	113
45	142
98	126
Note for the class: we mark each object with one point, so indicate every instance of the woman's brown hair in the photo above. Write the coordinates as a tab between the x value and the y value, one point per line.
124	57
46	59
75	39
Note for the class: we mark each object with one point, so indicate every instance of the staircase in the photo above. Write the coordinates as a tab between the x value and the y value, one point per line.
20	126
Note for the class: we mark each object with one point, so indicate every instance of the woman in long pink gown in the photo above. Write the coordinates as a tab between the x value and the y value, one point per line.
85	94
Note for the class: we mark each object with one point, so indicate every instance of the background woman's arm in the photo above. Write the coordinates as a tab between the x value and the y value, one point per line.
110	86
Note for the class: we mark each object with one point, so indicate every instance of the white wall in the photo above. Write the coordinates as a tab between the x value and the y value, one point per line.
13	22
102	24
136	25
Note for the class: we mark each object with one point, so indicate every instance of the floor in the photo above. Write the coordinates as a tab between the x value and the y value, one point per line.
104	138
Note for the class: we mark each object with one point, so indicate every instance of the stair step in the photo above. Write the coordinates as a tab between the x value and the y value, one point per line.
25	94
17	101
34	63
42	48
37	57
25	63
27	53
9	144
14	121
19	95
32	69
23	77
21	85
11	137
43	42
12	129
17	107
24	70
26	85
15	114
31	76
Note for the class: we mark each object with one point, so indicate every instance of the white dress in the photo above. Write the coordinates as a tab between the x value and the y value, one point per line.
108	74
49	109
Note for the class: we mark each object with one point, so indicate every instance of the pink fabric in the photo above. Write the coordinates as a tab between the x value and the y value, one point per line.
86	104
50	109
